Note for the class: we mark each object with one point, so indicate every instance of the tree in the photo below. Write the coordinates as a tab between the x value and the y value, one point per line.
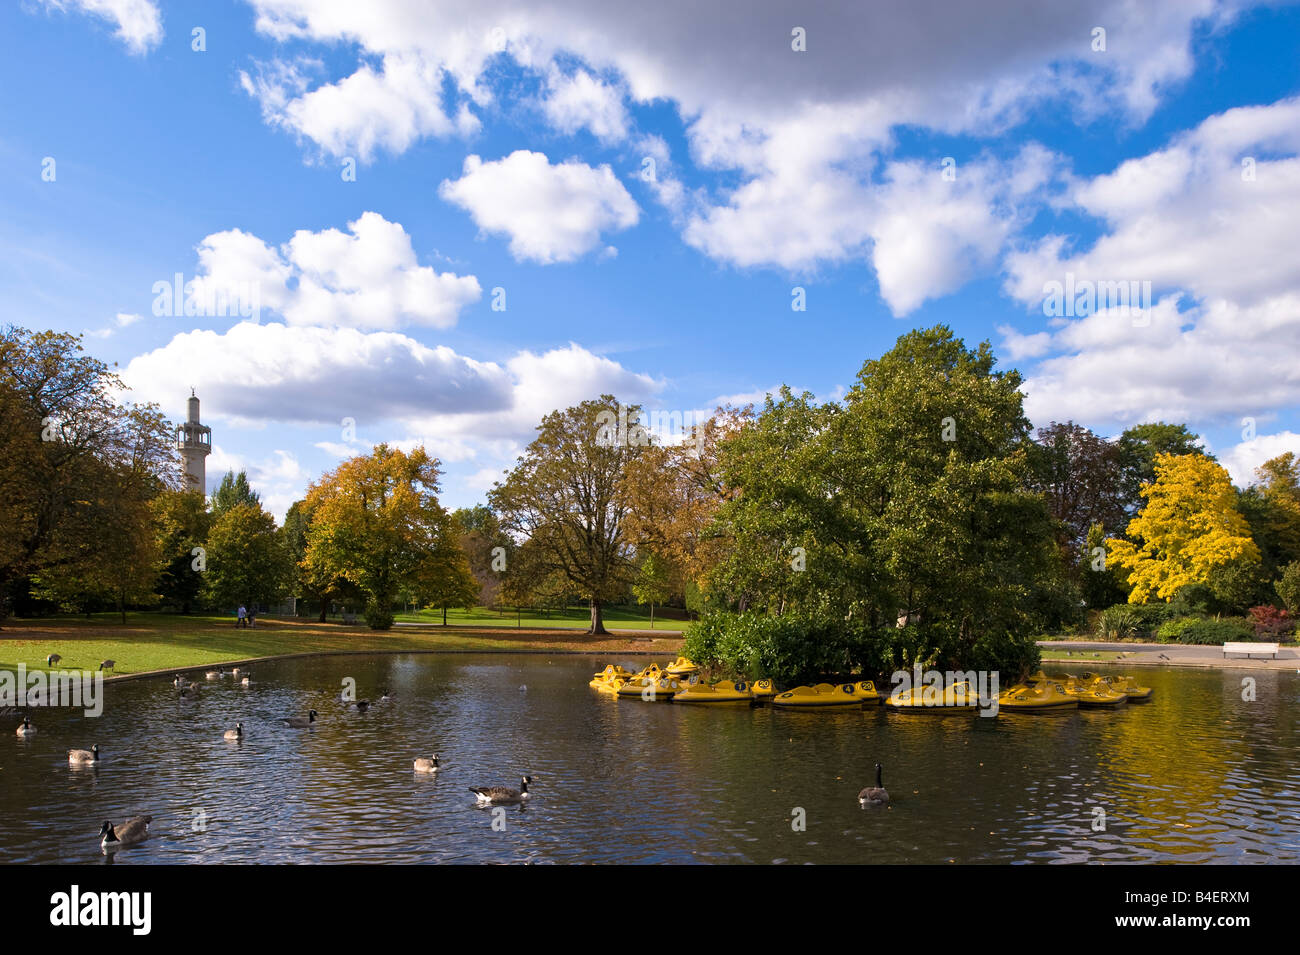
1079	475
181	523
651	584
446	580
246	560
567	501
1139	447
1272	509
375	521
1288	587
487	549
1189	531
233	489
75	470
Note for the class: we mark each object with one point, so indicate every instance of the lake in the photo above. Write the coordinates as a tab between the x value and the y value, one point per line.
1197	775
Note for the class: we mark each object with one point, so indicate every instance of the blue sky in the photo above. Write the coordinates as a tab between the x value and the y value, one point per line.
499	147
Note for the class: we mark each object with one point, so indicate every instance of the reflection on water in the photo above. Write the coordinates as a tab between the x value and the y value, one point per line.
1197	775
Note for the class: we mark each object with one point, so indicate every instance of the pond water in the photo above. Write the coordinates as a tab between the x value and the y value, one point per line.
1197	775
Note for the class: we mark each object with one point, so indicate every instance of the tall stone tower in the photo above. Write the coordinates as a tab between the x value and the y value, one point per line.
195	443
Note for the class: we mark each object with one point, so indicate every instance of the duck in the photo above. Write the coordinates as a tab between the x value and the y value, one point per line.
132	831
423	765
236	734
498	795
26	729
84	757
52	659
874	795
301	722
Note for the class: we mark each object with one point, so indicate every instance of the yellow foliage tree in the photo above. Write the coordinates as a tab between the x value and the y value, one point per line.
1189	528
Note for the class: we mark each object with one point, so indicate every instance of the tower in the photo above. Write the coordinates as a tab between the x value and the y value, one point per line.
195	443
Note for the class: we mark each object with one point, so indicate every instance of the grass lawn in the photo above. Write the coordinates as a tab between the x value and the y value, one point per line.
615	617
1080	656
152	641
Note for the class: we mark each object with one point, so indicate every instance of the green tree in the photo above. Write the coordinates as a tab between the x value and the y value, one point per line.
566	498
246	559
233	489
1288	587
1140	446
181	524
651	584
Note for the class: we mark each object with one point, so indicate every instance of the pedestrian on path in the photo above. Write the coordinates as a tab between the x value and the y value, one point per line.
241	621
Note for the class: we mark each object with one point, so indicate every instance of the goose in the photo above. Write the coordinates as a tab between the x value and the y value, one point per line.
189	693
180	682
423	765
235	671
497	795
874	795
84	757
213	674
130	832
236	734
52	659
362	705
107	664
300	722
246	681
384	695
26	729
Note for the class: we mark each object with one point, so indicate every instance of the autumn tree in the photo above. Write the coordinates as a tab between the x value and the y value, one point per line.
566	501
487	549
1272	509
375	521
1189	531
1140	446
181	523
1080	477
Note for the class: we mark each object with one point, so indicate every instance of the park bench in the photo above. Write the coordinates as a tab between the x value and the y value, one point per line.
349	617
1249	648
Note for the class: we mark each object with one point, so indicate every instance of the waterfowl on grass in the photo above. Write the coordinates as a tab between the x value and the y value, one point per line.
26	728
84	757
236	734
500	795
423	765
300	722
874	795
128	833
52	659
107	664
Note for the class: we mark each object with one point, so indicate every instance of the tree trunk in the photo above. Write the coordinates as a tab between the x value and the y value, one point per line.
323	607
444	616
597	628
652	615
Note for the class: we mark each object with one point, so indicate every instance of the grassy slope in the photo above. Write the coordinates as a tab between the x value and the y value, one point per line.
164	641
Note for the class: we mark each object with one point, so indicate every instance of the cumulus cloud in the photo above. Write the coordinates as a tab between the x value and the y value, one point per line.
551	213
138	22
583	101
1199	223
367	277
1242	459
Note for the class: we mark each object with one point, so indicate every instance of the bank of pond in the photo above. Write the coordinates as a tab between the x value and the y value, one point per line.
682	682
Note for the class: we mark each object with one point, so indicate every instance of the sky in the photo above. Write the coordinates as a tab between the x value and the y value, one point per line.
435	222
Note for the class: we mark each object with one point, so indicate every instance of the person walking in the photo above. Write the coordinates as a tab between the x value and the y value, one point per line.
242	621
252	616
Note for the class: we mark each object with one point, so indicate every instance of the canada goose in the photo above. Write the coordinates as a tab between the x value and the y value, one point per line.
52	659
130	832
874	795
180	682
299	722
107	664
423	765
84	757
26	729
362	705
235	671
496	795
213	674
236	734
384	695
246	681
190	693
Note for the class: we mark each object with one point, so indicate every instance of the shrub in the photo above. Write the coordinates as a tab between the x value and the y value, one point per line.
1194	630
379	616
1120	622
1270	622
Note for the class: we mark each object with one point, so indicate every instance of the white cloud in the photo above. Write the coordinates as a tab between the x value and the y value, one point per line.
1016	346
138	22
1220	341
552	213
279	479
366	278
582	101
1242	459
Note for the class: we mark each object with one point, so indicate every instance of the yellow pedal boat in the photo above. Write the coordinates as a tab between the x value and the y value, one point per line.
763	689
1123	684
606	678
1096	695
821	696
958	698
681	667
651	689
1046	697
725	691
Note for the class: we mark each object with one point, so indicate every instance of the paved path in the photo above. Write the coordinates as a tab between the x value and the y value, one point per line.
1164	654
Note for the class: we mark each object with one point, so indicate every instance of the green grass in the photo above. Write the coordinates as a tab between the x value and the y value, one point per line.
615	618
1080	656
152	641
